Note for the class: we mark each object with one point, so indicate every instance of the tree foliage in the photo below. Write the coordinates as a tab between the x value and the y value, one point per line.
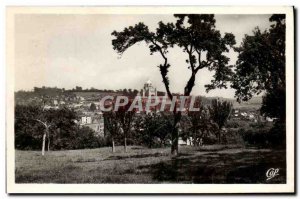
195	35
93	107
261	67
153	129
199	123
220	112
112	126
125	118
64	133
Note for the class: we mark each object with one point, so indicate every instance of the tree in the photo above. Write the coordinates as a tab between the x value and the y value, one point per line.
78	88
194	119
65	131
33	114
197	37
198	123
93	107
165	127
56	125
261	68
125	117
152	127
220	113
112	126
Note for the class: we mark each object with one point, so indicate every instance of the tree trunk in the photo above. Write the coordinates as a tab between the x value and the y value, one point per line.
43	147
125	144
194	137
219	135
48	140
113	145
174	147
48	144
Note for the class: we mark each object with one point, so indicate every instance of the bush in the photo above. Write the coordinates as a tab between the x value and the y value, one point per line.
264	137
232	124
209	140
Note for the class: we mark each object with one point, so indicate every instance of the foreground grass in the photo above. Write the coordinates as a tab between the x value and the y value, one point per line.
210	164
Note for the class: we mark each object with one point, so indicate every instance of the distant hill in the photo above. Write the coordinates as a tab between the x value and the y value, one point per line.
96	94
253	103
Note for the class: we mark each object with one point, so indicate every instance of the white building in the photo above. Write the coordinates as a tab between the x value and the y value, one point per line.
95	122
148	90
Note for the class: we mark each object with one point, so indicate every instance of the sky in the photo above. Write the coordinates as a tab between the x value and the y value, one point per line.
75	50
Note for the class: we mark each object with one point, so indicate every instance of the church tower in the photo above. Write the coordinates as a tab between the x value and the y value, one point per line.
148	89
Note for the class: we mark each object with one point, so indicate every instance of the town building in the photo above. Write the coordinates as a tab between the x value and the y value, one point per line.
94	121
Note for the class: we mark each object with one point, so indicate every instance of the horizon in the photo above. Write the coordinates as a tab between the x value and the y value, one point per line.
121	89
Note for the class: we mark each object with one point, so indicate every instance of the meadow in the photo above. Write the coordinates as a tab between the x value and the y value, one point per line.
207	164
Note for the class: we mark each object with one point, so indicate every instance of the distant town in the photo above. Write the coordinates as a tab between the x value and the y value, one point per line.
86	102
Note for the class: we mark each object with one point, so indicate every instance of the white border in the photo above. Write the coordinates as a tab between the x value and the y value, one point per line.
148	188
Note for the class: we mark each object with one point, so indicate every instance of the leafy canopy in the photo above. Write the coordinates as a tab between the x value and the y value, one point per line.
195	35
261	67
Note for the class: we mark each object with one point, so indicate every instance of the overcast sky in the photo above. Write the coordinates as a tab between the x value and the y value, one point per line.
75	50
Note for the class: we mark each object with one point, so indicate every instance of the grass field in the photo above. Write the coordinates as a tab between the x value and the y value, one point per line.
209	164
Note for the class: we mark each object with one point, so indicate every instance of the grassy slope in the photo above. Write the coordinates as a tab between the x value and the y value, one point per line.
211	164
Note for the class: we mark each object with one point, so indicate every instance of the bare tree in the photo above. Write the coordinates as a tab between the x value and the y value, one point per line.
46	133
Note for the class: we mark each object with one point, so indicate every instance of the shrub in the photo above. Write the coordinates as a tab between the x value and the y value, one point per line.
209	140
265	137
232	124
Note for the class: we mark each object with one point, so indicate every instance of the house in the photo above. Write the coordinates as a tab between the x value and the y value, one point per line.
93	121
188	142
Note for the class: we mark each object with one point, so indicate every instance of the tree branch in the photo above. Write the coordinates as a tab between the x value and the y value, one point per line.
44	123
163	67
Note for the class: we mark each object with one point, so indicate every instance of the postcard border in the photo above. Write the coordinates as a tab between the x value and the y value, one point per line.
12	187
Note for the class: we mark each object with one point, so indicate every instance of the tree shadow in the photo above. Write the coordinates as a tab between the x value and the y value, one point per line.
135	156
214	168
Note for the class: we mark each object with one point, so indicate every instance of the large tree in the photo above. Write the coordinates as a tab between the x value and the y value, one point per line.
261	68
198	38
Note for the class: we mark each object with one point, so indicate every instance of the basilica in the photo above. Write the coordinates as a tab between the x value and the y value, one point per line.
148	90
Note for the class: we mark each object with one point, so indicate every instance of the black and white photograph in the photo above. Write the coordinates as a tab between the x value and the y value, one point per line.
150	100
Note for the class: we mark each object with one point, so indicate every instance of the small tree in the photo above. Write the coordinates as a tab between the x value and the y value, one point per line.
125	118
197	37
220	112
194	118
151	127
199	122
112	126
93	107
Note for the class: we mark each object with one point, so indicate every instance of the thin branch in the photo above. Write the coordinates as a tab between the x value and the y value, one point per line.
44	123
190	53
199	58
